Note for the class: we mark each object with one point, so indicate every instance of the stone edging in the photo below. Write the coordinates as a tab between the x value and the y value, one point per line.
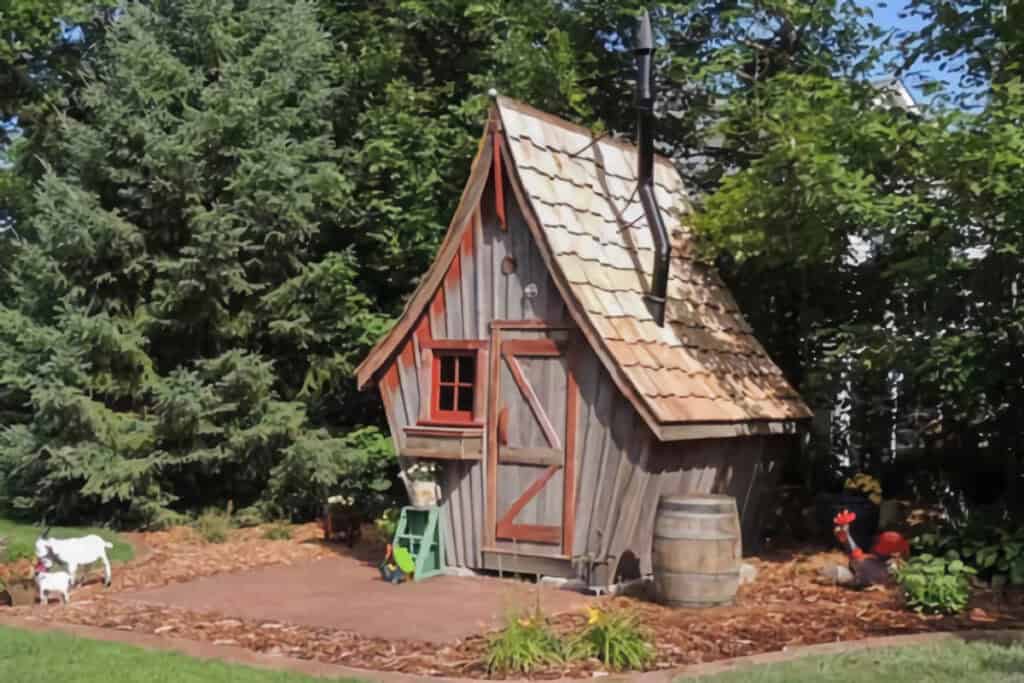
240	655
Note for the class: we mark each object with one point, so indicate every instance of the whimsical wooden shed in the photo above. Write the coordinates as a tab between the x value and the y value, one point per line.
533	362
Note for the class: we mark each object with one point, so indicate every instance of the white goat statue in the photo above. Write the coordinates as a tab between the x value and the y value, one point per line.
75	552
52	582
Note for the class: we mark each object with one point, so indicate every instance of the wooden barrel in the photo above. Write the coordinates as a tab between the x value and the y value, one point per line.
697	550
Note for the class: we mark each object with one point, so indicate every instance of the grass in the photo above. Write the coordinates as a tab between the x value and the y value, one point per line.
27	657
214	526
944	662
21	539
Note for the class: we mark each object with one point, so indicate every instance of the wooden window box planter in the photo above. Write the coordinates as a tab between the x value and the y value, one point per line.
443	443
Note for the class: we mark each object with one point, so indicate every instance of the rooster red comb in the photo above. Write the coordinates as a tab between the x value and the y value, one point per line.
845	517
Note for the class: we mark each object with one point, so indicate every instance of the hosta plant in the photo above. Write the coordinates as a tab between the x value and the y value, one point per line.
991	549
936	585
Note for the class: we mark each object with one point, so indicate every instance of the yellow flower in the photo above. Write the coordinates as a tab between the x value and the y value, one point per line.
593	616
875	498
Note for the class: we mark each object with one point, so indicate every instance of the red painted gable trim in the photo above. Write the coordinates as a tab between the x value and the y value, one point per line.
369	370
496	177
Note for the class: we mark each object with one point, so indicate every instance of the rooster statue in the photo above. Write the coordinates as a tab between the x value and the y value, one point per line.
869	569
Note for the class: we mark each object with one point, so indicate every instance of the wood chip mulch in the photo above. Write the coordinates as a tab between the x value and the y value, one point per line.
785	607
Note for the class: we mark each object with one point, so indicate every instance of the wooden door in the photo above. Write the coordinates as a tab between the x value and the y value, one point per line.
532	434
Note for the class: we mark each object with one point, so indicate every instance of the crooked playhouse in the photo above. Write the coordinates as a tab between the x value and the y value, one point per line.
567	360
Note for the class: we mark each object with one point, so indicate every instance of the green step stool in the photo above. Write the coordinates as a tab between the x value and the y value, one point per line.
419	532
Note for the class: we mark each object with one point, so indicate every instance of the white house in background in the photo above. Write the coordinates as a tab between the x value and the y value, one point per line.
892	93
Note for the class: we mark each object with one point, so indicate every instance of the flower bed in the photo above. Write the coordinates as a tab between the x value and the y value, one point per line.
785	607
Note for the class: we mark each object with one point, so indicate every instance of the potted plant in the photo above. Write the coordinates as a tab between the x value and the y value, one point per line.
423	488
342	518
862	495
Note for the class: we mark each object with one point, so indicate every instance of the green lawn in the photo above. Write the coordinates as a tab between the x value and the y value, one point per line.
946	662
27	657
21	539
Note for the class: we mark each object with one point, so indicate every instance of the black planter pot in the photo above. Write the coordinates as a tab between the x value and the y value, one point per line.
863	529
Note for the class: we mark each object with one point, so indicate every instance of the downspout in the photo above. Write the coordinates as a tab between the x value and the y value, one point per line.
644	52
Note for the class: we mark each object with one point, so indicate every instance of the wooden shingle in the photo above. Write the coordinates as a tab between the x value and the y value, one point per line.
704	365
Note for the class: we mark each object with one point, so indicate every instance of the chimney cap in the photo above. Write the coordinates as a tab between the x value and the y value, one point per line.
644	34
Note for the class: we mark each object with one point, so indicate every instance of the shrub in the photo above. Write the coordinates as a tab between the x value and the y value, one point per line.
18	550
524	645
614	637
251	516
279	531
936	585
166	519
360	466
865	485
987	548
214	525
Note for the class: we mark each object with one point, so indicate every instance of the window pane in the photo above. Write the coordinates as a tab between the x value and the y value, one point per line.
466	398
467	369
446	398
447	368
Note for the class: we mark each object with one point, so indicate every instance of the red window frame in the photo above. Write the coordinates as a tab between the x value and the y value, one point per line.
458	383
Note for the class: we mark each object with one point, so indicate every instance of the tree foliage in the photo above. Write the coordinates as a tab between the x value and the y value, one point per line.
180	311
220	205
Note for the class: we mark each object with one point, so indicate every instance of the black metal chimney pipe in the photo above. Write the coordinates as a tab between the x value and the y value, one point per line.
644	51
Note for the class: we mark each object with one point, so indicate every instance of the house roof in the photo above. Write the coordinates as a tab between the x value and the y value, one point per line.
704	366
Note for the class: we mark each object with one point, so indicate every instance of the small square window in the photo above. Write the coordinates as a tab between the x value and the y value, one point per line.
454	390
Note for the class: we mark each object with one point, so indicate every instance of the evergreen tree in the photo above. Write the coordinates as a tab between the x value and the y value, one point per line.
179	297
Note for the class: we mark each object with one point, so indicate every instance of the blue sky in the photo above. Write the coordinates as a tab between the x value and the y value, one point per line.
887	15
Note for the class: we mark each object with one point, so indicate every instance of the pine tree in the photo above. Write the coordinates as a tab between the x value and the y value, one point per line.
180	298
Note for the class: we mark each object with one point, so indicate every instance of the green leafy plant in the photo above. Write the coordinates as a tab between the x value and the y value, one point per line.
386	524
936	585
988	548
616	638
250	516
278	531
214	525
524	645
865	485
359	467
18	550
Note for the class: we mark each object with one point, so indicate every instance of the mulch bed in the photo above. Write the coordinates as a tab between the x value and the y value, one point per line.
785	607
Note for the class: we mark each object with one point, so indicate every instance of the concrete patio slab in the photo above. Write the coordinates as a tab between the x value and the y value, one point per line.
348	594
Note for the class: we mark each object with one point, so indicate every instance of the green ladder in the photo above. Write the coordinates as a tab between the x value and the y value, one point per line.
419	532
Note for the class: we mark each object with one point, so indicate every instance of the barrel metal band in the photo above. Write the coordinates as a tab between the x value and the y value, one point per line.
698	509
706	537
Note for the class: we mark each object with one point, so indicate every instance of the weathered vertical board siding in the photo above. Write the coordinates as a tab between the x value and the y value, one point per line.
621	469
473	293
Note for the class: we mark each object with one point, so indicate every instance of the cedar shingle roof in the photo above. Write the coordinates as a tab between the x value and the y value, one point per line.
704	365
